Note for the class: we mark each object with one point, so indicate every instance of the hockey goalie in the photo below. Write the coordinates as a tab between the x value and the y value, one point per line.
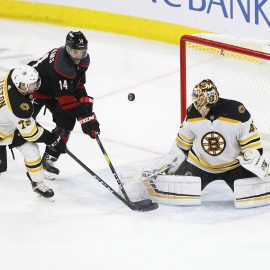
217	140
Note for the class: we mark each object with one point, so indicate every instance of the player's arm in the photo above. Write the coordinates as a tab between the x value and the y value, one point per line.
177	154
80	87
251	156
249	137
31	131
81	109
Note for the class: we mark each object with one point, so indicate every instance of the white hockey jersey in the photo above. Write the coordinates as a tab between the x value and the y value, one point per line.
16	113
215	142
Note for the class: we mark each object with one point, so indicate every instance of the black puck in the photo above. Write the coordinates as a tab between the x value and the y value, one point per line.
131	96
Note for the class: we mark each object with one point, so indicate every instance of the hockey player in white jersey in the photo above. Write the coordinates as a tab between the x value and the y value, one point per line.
217	141
18	128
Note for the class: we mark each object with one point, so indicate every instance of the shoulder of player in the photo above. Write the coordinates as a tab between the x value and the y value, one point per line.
64	67
233	110
21	106
192	113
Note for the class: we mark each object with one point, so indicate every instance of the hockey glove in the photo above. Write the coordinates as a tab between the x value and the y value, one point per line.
255	163
90	125
58	145
171	161
87	103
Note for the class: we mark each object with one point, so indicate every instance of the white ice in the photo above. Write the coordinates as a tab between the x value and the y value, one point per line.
87	227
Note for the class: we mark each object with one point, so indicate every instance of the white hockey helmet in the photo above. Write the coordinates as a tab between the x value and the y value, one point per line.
26	79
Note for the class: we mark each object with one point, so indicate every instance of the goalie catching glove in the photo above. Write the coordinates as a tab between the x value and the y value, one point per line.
255	163
171	161
90	125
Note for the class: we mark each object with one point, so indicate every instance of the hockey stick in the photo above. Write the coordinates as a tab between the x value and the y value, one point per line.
132	206
142	202
134	182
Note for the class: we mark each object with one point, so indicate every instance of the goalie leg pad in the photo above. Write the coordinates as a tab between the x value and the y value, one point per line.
174	189
251	192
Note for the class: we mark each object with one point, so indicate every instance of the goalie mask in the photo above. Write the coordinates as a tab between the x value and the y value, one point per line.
26	79
76	46
204	96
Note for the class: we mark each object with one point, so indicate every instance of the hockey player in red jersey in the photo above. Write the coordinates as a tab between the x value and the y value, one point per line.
62	71
19	129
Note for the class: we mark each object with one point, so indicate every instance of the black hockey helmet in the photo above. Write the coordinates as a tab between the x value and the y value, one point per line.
76	40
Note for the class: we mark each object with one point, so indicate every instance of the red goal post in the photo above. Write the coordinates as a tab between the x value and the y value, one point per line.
221	58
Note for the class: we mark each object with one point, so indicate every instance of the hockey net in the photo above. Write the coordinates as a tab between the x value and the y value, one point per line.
239	67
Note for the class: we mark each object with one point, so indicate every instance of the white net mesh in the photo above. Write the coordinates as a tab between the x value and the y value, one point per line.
237	76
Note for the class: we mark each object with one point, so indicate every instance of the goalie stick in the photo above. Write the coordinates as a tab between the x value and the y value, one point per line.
149	176
131	205
139	203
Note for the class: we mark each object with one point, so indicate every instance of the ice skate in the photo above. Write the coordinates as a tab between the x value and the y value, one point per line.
41	189
50	171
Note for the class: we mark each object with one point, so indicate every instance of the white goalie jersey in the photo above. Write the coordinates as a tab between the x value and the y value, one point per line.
214	142
16	113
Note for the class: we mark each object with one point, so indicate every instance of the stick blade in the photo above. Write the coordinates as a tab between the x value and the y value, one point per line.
147	207
143	202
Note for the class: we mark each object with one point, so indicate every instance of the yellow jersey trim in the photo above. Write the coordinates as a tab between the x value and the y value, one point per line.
185	137
184	144
225	119
252	145
216	168
197	119
254	136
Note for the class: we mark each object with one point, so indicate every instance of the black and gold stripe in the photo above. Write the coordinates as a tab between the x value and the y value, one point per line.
155	192
184	142
252	141
260	197
199	161
4	136
34	166
34	134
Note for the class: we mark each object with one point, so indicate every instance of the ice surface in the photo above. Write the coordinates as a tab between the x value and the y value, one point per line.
87	227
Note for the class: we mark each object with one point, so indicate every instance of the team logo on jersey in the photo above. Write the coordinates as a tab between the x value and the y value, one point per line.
25	107
241	109
213	143
252	127
188	173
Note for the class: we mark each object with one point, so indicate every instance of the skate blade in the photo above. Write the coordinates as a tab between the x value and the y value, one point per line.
49	176
51	199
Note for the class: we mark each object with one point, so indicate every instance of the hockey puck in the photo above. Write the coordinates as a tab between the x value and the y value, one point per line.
131	96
